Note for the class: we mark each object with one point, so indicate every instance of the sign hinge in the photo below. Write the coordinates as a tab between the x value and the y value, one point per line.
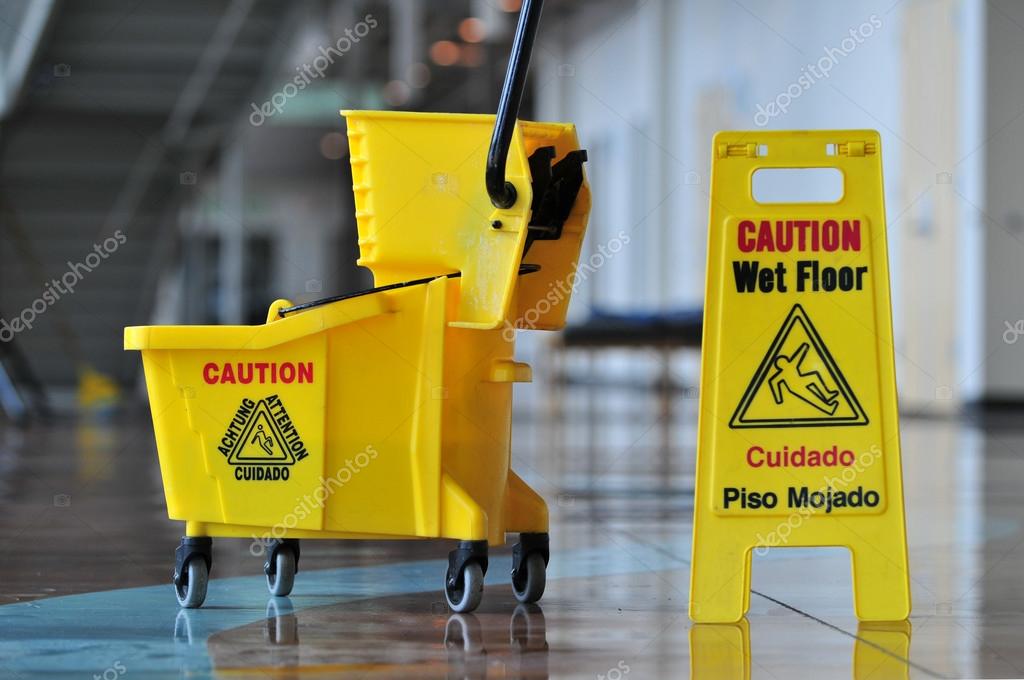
856	149
737	150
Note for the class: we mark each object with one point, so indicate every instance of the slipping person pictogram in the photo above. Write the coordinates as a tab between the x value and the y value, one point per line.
798	383
265	441
254	436
808	386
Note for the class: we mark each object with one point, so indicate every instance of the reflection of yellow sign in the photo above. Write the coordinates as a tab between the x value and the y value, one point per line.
799	440
880	650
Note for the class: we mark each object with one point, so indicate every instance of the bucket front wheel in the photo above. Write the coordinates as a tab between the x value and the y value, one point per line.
464	594
281	565
464	580
528	583
529	566
191	592
281	581
192	562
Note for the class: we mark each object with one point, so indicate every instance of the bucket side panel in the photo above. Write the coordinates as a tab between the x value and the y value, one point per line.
477	419
176	443
248	446
383	416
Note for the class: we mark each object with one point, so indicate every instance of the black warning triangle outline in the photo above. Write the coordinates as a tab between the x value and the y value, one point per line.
798	315
275	432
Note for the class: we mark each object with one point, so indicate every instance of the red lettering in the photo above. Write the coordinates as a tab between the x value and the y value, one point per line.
245	373
830	235
783	239
799	457
764	237
851	235
287	372
769	236
746	241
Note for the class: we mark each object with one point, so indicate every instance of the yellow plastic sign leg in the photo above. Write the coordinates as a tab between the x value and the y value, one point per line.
798	440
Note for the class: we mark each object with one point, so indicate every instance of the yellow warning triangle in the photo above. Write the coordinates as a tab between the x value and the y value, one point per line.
798	383
261	441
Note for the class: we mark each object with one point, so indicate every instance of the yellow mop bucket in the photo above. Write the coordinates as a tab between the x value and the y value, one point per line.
384	413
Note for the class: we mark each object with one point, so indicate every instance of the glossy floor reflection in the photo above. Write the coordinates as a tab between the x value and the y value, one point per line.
486	643
87	549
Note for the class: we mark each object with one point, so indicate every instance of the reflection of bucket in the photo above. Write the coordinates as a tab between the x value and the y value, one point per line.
527	629
282	624
463	637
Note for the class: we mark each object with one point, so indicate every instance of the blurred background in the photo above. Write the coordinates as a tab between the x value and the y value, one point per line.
185	163
208	134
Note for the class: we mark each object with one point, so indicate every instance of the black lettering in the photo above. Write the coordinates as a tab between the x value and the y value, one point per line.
797	499
731	494
745	272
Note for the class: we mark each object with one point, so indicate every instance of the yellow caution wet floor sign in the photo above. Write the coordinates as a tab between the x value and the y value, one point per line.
798	440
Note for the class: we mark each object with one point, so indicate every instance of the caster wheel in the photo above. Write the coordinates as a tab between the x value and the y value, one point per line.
192	590
465	595
528	584
280	583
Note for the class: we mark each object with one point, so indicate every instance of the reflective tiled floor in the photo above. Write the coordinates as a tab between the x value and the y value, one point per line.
86	550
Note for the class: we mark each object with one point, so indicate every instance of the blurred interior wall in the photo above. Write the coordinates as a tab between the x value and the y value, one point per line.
999	215
927	267
648	84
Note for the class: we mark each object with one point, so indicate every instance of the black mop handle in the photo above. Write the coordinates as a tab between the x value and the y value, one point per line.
502	193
